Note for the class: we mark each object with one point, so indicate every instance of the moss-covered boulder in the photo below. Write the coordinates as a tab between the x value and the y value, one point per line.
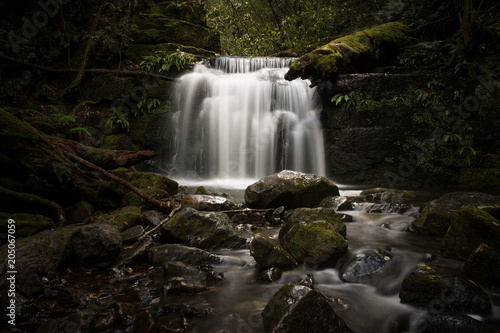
439	214
148	180
42	255
205	230
470	229
26	224
444	293
308	215
297	308
118	142
357	52
132	199
483	265
80	211
268	253
314	243
122	218
291	189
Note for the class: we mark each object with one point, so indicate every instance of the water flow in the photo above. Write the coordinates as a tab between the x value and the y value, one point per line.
239	118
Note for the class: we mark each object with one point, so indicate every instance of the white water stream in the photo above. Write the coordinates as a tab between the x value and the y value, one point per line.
238	118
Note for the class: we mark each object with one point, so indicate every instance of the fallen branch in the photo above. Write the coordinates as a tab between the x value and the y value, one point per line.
172	213
247	210
160	205
92	70
32	198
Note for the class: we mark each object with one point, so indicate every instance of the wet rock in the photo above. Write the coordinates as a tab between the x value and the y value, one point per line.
122	218
314	243
130	236
71	297
361	267
268	253
132	199
274	217
483	265
104	321
26	224
38	256
208	202
438	214
79	322
143	322
270	275
314	214
249	217
386	195
153	217
202	276
290	189
470	228
456	323
188	255
444	293
79	212
297	308
136	254
146	296
179	285
96	244
188	311
337	203
125	313
205	230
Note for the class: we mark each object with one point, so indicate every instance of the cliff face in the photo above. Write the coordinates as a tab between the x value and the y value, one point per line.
116	35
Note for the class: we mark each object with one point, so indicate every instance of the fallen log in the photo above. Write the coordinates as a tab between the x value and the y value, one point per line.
104	158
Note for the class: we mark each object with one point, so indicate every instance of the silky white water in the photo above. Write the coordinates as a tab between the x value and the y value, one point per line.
238	118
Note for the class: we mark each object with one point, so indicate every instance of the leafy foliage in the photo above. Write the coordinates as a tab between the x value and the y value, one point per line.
118	120
149	105
346	101
163	61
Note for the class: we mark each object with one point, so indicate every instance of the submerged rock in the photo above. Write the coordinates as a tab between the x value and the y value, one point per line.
469	229
439	214
96	244
456	323
208	202
205	230
363	266
188	255
268	253
270	275
444	293
290	189
313	243
297	308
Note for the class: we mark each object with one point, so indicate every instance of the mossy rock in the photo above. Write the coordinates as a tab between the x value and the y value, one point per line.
472	228
439	214
268	253
307	215
205	230
132	199
353	53
26	224
151	130
483	265
290	189
119	142
480	177
387	195
314	243
147	180
122	218
80	211
444	293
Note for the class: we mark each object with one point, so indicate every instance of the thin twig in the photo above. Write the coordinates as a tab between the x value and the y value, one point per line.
172	213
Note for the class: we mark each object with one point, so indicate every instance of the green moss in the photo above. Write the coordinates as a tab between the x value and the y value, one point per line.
118	142
479	177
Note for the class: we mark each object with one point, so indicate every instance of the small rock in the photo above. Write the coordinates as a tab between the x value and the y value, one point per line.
270	275
130	236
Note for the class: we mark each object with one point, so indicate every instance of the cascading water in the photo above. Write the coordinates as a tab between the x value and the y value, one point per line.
239	118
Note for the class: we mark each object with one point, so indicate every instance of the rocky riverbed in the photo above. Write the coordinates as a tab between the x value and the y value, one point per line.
305	257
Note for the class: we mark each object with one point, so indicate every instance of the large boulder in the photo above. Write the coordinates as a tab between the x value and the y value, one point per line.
314	214
438	214
444	293
96	244
472	227
148	180
268	253
208	202
290	189
314	243
205	230
38	256
297	308
122	218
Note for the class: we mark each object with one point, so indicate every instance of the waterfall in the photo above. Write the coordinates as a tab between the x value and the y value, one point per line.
239	118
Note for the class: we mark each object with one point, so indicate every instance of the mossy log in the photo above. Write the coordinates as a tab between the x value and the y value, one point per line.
357	52
104	158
